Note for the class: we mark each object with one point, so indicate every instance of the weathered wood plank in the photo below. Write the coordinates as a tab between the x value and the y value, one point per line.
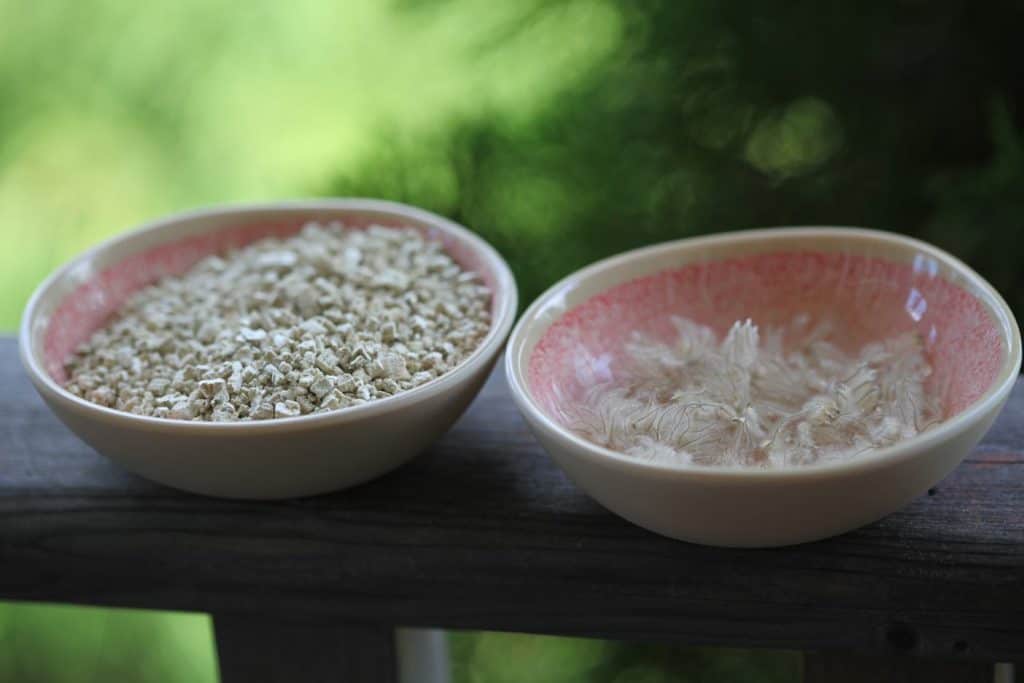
484	531
263	650
845	668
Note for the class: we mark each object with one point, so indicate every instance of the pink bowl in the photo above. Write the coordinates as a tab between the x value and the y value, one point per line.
870	285
271	459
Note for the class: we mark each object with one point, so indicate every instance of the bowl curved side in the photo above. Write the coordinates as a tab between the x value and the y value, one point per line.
318	459
753	512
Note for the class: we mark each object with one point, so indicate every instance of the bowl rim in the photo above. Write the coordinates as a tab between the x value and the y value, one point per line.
517	360
505	293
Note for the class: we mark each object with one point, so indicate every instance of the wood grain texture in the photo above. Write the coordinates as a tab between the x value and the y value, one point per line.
844	668
260	650
483	531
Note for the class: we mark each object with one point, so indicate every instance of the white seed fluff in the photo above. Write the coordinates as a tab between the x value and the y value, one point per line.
788	398
327	319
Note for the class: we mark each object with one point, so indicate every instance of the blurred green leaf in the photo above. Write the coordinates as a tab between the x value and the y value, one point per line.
70	644
513	657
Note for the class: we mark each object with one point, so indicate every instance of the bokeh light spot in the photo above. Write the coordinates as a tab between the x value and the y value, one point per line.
804	135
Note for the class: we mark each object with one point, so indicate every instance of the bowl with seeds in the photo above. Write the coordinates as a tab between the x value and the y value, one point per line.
270	351
766	387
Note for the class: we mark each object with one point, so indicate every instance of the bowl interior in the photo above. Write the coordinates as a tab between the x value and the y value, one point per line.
83	296
867	286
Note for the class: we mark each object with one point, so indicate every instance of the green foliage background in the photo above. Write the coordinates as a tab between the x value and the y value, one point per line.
563	131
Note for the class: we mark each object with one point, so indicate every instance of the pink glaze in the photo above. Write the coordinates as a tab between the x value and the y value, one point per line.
866	299
92	304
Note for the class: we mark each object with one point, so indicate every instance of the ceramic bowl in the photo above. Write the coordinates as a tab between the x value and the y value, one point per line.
279	458
870	284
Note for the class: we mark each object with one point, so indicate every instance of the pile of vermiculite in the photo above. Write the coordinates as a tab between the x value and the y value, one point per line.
329	318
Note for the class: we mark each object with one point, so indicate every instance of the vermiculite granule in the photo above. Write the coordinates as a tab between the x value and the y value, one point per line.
750	402
329	318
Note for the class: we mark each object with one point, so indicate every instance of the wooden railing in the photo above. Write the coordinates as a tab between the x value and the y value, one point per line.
484	532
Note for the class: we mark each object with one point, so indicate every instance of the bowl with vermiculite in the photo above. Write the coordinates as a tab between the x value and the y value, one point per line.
270	351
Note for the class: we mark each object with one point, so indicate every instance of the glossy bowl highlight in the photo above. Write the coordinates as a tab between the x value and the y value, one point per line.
870	285
278	458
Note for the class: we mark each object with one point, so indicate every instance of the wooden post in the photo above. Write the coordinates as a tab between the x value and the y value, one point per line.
263	650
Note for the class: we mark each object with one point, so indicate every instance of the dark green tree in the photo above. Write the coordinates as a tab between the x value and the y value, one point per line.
715	116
